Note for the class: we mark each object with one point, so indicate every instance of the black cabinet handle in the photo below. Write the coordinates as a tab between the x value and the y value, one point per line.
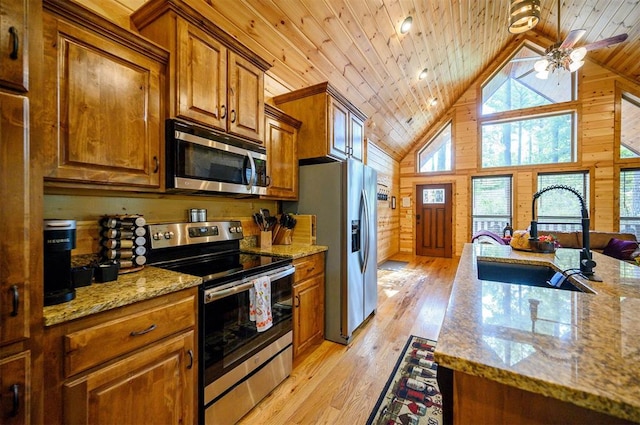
15	392
190	354
16	300
297	301
224	112
156	164
233	115
15	42
146	331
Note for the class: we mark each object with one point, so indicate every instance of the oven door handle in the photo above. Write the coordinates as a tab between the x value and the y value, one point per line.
213	294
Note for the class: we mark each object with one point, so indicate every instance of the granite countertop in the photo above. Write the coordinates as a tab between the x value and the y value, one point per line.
147	283
288	251
129	288
583	348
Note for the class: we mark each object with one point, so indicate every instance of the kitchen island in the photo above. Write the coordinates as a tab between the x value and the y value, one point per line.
572	359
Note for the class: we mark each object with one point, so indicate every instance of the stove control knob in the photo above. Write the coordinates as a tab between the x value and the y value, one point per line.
157	236
233	229
168	235
239	229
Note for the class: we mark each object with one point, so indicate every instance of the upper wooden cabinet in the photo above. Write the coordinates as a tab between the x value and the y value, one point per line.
214	80
14	51
103	101
332	127
281	142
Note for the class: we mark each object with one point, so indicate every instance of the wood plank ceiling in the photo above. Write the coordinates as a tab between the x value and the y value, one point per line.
356	46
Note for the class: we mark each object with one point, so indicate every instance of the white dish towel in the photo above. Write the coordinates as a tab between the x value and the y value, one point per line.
260	303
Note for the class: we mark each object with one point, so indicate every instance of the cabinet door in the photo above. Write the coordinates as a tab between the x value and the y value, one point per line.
282	164
155	386
356	138
338	131
102	109
202	77
15	401
308	314
246	98
14	214
13	44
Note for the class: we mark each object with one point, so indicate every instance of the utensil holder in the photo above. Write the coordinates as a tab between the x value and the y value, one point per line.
265	239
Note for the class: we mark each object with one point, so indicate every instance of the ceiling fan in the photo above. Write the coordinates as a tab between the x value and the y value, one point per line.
563	55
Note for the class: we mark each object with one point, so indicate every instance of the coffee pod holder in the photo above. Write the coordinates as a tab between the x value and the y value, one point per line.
123	242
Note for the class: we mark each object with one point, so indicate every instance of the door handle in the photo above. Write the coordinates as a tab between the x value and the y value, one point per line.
417	217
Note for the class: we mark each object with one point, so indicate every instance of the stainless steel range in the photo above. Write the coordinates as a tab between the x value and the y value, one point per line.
240	360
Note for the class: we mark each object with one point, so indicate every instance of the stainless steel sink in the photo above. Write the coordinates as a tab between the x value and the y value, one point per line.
521	274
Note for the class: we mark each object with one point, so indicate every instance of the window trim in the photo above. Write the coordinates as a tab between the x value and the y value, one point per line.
448	121
618	177
622	89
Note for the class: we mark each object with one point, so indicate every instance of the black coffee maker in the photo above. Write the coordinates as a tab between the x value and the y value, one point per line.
59	240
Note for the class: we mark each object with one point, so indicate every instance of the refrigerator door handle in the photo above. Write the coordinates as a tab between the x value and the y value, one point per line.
365	201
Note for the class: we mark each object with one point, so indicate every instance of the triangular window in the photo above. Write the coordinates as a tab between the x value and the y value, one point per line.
630	127
436	154
516	85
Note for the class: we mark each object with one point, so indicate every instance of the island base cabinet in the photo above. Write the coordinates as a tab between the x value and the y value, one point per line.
151	387
483	401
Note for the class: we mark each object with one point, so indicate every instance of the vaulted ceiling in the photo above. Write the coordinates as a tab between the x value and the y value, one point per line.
356	45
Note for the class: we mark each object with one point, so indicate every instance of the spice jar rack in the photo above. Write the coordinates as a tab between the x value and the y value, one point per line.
123	241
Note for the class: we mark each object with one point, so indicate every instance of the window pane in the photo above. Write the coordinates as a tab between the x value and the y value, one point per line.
436	155
516	86
630	202
433	196
543	140
491	203
630	127
558	208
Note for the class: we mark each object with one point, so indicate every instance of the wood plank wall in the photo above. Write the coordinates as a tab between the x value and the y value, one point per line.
388	219
597	153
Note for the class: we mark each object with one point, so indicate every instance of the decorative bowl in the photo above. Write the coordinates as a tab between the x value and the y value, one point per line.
543	247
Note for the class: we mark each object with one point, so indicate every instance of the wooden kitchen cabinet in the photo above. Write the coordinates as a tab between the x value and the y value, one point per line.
21	292
281	142
308	299
214	81
15	381
13	44
333	128
103	101
134	364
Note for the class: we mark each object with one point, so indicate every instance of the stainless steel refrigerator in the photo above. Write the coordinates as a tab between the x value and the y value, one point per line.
342	195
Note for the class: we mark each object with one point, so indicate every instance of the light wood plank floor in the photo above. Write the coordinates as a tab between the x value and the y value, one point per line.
336	384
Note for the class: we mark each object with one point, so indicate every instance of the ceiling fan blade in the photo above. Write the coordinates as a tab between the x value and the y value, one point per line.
606	42
572	38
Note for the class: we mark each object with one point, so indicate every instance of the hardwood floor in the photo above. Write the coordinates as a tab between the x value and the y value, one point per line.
336	384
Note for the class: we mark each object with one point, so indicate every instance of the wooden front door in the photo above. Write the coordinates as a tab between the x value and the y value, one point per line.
434	220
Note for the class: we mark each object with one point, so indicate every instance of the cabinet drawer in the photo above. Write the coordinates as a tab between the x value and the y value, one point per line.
308	266
95	345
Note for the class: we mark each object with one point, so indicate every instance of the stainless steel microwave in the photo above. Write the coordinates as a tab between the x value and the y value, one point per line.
204	160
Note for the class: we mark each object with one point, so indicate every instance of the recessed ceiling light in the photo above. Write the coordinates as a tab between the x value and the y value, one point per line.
423	74
406	25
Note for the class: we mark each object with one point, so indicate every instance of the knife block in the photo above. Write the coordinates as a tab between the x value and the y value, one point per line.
265	239
283	237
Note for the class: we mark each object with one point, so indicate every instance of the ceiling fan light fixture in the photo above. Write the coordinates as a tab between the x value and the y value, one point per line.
541	65
543	75
406	25
523	15
578	54
575	65
423	74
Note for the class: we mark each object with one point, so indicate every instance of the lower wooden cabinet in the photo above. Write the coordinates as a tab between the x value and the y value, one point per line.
308	296
134	364
15	379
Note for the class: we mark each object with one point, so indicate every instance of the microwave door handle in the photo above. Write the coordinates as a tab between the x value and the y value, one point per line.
254	175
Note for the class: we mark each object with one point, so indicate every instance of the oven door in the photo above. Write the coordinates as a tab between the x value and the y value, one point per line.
229	336
212	162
